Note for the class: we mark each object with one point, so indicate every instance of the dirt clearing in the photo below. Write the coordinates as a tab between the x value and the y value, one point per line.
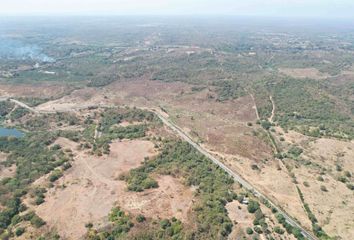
240	218
6	171
170	199
312	73
88	191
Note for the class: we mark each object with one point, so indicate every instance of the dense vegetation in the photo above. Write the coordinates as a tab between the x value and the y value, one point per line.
5	108
306	107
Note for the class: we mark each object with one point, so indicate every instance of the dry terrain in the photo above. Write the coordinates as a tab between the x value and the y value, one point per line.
223	128
6	171
324	155
240	217
312	73
170	199
88	191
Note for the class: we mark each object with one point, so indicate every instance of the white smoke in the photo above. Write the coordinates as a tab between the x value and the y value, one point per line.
13	49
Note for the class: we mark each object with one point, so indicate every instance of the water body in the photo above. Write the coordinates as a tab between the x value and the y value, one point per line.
13	132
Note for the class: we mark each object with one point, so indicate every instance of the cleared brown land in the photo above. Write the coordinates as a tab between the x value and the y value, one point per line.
312	73
170	199
240	217
88	191
6	171
34	90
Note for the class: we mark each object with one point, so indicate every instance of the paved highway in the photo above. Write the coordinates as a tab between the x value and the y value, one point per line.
236	176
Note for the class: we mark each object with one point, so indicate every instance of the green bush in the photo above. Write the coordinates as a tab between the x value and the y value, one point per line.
140	218
39	200
253	206
37	221
19	231
278	230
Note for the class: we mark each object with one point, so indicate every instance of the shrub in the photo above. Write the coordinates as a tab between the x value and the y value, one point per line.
37	221
279	230
350	186
88	225
339	168
266	125
140	218
274	210
295	151
249	231
254	167
347	174
39	200
165	223
323	188
257	230
19	231
55	175
253	206
342	179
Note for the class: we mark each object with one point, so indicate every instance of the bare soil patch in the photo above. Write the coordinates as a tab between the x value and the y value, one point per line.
6	171
170	199
312	73
88	191
240	217
34	90
78	99
331	152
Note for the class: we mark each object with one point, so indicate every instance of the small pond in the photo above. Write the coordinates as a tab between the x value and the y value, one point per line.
7	132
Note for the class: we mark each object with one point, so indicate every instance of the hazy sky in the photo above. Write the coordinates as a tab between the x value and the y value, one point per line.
308	8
